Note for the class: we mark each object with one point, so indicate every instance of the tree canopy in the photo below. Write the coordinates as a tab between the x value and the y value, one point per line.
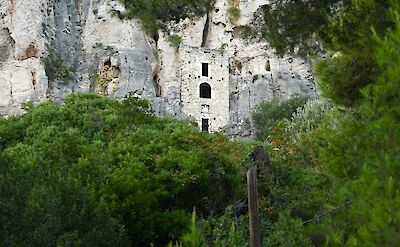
343	28
356	149
96	172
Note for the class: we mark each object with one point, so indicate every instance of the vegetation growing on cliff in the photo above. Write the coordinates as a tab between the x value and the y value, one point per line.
156	14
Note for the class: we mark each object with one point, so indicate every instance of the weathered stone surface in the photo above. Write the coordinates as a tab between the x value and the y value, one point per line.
80	37
83	42
216	108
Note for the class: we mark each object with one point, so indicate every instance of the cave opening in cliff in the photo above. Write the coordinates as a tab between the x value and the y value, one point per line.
157	86
107	63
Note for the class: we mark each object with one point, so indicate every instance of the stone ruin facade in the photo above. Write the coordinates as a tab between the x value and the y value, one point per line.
204	77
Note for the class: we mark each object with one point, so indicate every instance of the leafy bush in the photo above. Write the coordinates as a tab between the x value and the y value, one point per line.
56	68
353	152
293	183
286	232
96	172
308	117
194	237
175	40
226	230
268	113
342	77
234	13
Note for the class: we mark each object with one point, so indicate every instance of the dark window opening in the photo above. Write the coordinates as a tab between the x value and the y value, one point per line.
205	91
204	69
204	125
268	66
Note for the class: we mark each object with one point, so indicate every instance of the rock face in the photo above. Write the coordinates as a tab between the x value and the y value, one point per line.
50	48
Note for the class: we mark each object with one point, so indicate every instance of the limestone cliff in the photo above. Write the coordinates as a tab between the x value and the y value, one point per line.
50	48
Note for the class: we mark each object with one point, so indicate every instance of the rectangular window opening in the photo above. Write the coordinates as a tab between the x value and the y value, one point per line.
204	125
204	69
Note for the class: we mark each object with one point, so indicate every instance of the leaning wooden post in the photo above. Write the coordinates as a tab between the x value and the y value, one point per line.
254	219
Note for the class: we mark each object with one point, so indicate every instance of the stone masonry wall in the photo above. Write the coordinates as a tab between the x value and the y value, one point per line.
216	109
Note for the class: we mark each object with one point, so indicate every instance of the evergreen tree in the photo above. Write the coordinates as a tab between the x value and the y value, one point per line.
343	28
363	156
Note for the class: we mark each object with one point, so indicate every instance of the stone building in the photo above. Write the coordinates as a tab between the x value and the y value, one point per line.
204	77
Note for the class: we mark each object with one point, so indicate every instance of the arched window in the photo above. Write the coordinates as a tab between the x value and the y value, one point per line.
205	91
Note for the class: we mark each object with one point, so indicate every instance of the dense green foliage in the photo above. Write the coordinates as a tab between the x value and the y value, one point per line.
268	113
343	28
287	231
95	172
367	170
346	161
307	118
292	25
156	14
229	229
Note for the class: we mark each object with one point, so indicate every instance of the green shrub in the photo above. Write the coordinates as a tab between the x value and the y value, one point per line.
268	113
175	40
286	232
226	230
98	172
234	13
155	14
342	28
342	77
56	68
307	118
194	237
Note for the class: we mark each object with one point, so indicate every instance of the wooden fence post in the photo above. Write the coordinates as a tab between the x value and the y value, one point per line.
254	219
